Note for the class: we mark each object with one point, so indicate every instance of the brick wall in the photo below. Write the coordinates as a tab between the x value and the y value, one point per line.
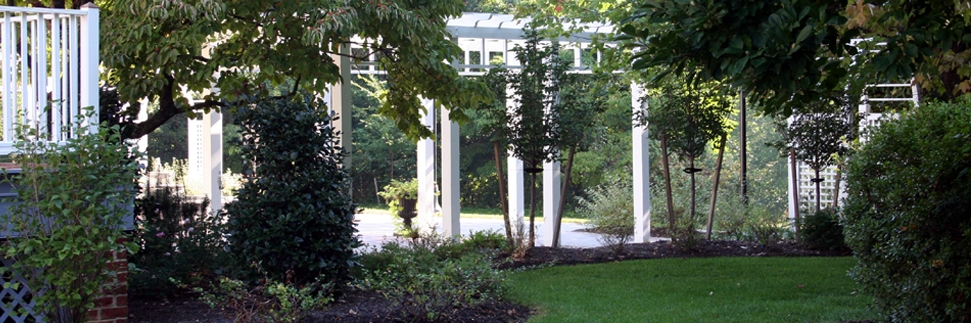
112	305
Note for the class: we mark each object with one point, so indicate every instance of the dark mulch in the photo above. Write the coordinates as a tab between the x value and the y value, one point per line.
364	306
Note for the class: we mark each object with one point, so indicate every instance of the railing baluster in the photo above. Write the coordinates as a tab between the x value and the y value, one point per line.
75	90
41	40
24	78
8	79
56	78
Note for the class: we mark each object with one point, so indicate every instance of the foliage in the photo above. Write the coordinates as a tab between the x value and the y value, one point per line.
689	117
293	214
400	190
765	227
158	49
433	275
181	243
822	231
928	41
746	44
72	199
611	212
741	289
270	301
533	127
906	214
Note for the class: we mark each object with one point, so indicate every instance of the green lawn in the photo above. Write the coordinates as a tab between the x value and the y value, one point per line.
694	290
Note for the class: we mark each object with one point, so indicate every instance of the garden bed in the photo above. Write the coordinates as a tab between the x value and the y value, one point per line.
366	306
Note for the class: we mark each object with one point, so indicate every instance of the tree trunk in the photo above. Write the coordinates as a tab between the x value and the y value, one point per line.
795	185
667	181
559	210
744	147
691	165
391	152
532	210
502	192
377	197
714	191
816	180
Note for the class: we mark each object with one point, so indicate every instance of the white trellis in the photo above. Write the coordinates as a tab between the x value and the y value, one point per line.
804	174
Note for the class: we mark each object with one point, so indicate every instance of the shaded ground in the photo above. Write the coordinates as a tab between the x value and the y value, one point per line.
363	306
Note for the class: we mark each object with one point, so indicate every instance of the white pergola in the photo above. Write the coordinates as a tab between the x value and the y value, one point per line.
491	36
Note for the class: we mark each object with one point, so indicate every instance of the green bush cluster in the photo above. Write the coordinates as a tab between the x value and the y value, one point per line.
611	212
294	215
822	231
68	216
433	275
908	214
181	243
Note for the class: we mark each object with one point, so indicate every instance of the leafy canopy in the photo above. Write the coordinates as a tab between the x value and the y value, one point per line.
247	48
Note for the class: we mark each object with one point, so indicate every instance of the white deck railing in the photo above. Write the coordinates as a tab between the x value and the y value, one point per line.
49	70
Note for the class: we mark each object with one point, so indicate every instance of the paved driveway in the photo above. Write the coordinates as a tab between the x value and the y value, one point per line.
376	228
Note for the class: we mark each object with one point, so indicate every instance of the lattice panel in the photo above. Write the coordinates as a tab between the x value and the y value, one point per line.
807	189
16	299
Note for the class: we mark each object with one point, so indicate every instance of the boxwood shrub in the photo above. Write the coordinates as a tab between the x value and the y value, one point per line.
908	214
293	214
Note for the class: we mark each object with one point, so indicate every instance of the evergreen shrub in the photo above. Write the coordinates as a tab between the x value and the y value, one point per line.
822	231
908	214
293	215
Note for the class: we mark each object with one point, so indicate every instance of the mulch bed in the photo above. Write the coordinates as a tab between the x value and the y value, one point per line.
357	306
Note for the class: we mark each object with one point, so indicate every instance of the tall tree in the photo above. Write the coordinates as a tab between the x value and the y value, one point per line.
533	129
244	48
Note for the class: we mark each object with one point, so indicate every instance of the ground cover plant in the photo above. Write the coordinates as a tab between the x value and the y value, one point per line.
694	290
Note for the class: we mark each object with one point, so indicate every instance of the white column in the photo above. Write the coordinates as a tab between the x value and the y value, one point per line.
451	202
642	170
213	164
426	171
516	183
340	102
551	199
90	59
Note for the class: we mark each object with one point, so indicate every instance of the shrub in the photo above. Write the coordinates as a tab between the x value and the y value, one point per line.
180	243
908	214
271	301
68	216
293	213
822	231
611	212
429	279
765	227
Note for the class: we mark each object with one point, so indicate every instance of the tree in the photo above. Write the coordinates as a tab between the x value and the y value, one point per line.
688	117
788	53
784	52
533	128
245	48
816	138
582	98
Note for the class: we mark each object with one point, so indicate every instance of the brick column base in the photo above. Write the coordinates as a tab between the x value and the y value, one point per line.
112	304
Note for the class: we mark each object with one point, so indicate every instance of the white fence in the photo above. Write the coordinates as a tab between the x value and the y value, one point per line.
49	73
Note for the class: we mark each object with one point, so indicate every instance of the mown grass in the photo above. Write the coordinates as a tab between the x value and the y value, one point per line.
694	290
